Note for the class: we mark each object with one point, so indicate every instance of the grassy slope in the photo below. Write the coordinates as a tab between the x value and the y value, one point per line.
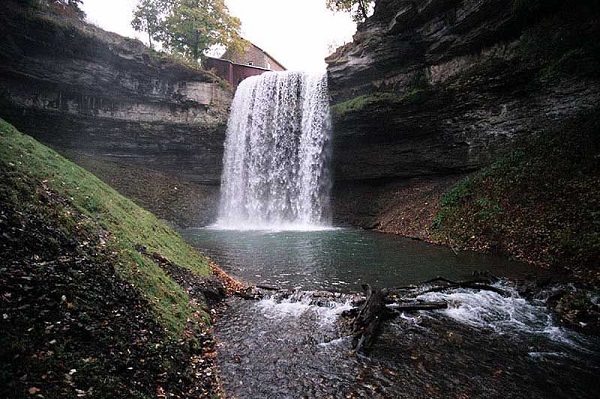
70	326
128	224
539	203
177	200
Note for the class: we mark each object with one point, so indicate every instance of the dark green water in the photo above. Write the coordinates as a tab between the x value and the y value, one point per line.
339	259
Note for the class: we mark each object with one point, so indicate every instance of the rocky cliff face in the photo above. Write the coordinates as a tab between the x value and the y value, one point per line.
437	87
84	90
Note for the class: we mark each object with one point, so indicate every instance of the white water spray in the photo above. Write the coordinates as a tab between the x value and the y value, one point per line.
277	151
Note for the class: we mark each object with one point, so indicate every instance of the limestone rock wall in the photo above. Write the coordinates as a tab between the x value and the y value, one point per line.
80	89
437	87
433	89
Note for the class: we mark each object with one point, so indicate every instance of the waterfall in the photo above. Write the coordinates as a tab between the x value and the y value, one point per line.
275	168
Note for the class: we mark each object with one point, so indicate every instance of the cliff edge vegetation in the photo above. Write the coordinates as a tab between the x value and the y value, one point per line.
89	301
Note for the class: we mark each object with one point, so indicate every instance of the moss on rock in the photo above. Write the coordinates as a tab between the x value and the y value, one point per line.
539	202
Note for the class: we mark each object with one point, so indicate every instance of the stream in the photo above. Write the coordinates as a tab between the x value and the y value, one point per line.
294	346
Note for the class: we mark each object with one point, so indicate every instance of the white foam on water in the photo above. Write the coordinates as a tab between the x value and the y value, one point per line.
342	341
545	355
269	227
274	309
325	312
503	314
329	315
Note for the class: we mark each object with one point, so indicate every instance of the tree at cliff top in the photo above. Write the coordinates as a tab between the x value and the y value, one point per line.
360	9
149	17
188	27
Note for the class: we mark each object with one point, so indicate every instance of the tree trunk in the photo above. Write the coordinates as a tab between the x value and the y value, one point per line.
367	324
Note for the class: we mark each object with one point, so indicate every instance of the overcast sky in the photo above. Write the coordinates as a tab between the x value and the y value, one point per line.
298	33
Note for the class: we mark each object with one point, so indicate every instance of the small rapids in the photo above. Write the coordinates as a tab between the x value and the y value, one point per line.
502	314
297	344
325	307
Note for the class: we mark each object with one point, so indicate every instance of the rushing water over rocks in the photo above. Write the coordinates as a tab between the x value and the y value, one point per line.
295	342
296	345
276	154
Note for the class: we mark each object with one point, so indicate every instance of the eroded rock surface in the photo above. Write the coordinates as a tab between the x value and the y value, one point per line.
83	90
438	88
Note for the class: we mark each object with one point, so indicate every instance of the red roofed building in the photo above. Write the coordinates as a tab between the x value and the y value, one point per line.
235	67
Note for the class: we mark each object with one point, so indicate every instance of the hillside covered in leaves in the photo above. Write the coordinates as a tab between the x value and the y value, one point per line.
89	301
539	202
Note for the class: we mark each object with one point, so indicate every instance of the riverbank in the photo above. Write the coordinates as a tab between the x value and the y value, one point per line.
537	203
91	299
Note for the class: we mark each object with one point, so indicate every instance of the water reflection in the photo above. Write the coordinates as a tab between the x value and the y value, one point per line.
339	259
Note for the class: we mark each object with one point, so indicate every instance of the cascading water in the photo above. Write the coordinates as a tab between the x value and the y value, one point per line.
292	344
275	173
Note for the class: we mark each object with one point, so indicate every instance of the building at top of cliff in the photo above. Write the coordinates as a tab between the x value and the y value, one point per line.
239	65
254	56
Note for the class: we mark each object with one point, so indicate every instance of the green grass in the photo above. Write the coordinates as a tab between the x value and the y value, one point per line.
359	103
539	202
379	99
418	89
127	224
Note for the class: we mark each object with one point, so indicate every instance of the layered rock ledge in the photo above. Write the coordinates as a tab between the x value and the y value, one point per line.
434	88
96	95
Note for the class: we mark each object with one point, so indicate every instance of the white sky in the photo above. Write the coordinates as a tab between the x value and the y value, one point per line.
298	33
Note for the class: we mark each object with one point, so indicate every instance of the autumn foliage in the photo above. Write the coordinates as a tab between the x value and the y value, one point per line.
539	203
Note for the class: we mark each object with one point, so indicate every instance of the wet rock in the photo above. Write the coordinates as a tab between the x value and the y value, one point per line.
578	308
